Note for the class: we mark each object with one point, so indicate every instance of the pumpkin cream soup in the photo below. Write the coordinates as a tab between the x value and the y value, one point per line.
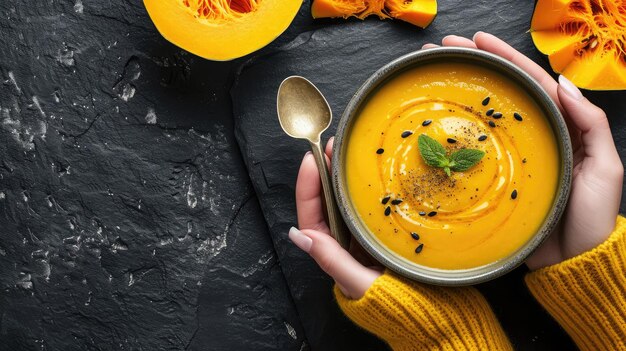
459	210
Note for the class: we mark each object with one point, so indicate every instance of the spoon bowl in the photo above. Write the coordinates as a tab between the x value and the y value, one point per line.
303	112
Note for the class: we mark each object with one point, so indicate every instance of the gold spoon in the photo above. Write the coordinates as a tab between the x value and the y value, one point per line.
304	113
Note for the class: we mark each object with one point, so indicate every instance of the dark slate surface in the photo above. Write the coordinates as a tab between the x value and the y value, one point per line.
127	220
338	56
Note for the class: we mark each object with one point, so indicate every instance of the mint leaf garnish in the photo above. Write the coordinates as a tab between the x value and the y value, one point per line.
465	159
435	155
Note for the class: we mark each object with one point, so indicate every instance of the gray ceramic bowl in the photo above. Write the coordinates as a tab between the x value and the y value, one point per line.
369	241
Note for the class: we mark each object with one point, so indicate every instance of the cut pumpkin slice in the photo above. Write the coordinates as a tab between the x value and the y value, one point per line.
549	14
600	72
561	57
337	8
552	41
221	30
584	39
418	12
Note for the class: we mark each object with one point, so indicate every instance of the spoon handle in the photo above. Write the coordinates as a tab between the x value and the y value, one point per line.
335	222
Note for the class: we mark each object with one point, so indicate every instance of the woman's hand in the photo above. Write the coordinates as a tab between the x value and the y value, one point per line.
352	276
598	172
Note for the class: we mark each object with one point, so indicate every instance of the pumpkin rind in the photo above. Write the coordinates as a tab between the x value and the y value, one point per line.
584	39
225	37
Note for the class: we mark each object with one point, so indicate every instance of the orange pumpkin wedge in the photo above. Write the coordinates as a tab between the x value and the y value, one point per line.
338	8
584	39
221	30
418	12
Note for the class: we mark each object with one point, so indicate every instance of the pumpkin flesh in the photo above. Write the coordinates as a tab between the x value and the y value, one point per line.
221	30
584	39
337	8
418	12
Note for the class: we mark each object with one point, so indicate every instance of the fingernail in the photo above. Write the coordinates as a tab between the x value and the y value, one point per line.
300	239
307	154
476	34
331	140
569	88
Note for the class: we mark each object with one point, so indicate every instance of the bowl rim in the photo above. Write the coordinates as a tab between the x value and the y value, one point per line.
401	265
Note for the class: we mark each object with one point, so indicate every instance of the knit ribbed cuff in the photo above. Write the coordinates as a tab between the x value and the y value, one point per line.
587	294
414	316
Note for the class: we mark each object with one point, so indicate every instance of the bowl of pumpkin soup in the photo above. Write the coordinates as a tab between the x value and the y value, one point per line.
451	166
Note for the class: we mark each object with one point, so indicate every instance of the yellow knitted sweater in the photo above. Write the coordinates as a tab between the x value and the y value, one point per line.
585	294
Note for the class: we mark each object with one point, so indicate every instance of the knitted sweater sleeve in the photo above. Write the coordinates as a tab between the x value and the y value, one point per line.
414	316
587	294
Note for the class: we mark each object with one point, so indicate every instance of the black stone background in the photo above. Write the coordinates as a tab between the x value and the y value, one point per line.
338	56
128	222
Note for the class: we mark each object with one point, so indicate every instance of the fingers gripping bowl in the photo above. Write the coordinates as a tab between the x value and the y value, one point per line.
451	166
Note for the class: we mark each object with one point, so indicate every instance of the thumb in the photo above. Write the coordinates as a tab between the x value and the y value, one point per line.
352	277
591	122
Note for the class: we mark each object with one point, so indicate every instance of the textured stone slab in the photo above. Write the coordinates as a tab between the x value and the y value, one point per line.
338	56
127	220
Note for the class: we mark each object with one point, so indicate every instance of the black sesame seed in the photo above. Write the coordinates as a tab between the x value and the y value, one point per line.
482	137
432	213
492	124
380	151
396	201
490	112
486	101
406	134
415	236
497	115
419	248
451	140
385	200
518	116
422	213
524	160
514	194
387	211
427	122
